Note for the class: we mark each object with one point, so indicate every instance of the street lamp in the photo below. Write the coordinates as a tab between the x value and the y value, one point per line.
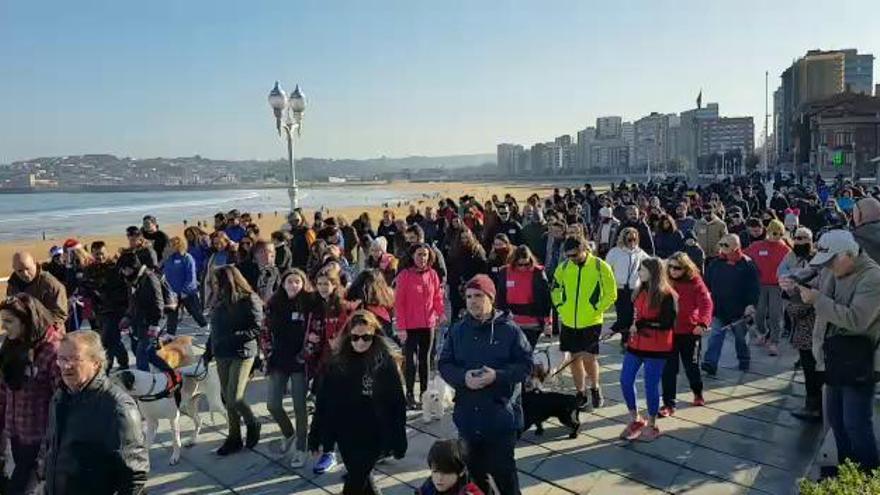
288	120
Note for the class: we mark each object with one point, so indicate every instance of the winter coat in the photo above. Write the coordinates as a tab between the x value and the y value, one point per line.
525	293
868	237
625	264
107	289
668	243
24	413
708	235
46	289
95	442
322	334
282	338
850	304
235	328
582	293
418	302
497	343
146	303
695	305
428	488
180	272
265	280
734	286
360	408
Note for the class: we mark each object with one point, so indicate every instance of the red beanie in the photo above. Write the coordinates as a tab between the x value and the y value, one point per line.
483	284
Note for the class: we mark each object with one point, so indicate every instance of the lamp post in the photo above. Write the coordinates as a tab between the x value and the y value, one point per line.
288	120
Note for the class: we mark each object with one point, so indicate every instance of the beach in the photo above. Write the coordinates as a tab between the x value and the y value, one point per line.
420	194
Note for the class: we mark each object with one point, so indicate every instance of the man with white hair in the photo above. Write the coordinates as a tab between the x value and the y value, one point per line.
845	341
89	410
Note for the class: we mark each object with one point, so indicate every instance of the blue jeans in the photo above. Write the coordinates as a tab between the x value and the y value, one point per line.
850	410
716	341
653	373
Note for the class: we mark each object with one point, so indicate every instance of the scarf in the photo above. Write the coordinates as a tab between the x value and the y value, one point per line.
733	257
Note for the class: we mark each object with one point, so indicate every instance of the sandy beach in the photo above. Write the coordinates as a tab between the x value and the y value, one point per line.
271	220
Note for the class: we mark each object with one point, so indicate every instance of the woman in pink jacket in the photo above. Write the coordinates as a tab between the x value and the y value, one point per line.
418	307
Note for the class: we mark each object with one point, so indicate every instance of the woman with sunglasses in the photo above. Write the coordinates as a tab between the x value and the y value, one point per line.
650	344
691	322
625	260
803	317
360	404
767	255
523	289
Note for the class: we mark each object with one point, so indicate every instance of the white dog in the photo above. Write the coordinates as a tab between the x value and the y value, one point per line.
147	388
436	399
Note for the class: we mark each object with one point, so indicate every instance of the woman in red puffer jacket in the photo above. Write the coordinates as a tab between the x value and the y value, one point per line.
522	288
693	318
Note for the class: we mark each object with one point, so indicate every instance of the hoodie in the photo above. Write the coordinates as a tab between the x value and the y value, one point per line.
498	343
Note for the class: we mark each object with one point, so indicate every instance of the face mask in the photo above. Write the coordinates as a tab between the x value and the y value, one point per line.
801	250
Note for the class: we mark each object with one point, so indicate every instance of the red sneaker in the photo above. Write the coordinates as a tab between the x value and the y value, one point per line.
666	411
699	401
632	430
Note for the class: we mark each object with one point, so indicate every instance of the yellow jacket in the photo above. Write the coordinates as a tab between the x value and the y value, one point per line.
582	293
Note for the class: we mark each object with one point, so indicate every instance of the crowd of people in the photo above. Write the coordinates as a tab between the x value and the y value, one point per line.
344	316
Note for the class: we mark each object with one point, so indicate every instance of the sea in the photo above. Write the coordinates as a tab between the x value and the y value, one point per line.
34	215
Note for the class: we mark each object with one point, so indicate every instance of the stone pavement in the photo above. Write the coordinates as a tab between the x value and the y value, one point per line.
743	442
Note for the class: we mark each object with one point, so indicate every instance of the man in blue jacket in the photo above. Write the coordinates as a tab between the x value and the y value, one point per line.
485	358
732	279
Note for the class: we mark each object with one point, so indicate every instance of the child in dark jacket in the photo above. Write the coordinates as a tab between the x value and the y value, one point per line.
449	474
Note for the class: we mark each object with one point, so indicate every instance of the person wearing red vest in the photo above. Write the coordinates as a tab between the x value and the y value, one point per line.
692	320
768	255
522	288
651	342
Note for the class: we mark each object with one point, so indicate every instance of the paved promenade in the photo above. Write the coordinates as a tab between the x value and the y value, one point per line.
743	442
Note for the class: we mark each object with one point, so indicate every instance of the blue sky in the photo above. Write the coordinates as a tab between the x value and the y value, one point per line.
395	78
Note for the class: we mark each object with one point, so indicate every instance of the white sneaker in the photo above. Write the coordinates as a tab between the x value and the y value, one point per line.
298	460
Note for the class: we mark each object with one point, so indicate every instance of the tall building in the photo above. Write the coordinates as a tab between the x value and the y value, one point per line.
816	76
628	134
563	152
650	142
585	139
610	156
540	157
688	135
609	127
509	159
726	135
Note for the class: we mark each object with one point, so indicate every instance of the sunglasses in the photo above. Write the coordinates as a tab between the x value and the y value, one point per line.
675	267
723	245
367	337
571	255
802	238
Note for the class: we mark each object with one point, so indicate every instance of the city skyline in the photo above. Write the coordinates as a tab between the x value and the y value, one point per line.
388	79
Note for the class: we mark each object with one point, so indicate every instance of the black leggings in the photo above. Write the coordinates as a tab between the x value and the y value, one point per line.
686	350
812	380
24	477
418	342
624	308
359	467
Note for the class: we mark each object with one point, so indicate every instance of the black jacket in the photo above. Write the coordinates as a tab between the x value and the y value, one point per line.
509	227
265	280
299	247
360	409
235	328
159	240
107	288
283	257
286	322
146	303
95	442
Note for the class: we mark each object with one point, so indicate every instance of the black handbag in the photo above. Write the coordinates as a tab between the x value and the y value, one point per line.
849	360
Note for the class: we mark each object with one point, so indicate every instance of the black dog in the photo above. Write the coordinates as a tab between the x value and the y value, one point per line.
539	406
